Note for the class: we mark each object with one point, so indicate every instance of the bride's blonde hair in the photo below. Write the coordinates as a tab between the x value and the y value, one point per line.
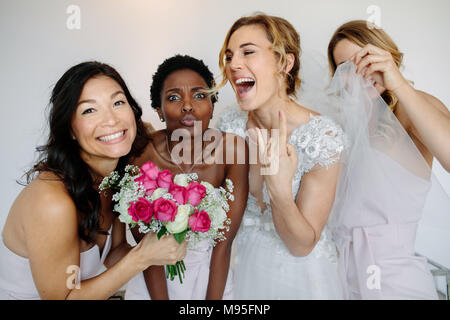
362	33
284	39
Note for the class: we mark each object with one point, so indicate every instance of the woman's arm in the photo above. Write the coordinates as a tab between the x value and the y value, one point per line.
220	259
429	118
429	121
51	235
299	223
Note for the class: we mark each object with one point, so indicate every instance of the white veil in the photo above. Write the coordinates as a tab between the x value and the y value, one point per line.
382	171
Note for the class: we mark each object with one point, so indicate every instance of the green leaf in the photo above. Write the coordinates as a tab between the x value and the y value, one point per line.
162	232
180	236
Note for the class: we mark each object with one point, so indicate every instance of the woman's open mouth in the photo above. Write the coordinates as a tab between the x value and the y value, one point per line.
243	86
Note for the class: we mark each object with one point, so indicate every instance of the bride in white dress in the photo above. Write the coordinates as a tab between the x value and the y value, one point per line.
284	248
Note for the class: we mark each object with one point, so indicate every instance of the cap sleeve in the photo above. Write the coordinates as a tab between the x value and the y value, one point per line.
319	142
232	120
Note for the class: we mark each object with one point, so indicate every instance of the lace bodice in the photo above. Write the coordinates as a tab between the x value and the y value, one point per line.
318	143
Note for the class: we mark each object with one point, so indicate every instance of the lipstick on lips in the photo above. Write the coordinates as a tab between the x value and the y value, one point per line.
188	120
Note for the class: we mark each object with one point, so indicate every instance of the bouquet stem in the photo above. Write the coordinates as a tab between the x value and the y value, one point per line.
177	269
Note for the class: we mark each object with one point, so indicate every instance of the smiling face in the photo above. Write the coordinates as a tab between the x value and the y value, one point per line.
103	123
252	67
183	101
346	49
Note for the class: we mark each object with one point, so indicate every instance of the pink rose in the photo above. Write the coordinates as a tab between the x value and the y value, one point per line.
150	170
165	210
149	185
195	193
164	179
199	221
141	210
178	193
148	177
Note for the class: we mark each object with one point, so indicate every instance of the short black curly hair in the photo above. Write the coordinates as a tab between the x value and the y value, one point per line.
175	63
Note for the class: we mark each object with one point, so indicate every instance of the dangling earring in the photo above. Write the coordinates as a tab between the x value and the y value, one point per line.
162	119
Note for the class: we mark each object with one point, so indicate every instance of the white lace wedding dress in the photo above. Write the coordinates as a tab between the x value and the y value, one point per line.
263	266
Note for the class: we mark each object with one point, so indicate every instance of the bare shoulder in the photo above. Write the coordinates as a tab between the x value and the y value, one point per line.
434	101
302	115
234	143
232	138
46	200
235	151
42	206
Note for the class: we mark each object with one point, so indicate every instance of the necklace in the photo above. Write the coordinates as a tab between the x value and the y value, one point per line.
170	155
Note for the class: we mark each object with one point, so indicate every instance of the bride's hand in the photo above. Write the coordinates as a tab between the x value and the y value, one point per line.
371	61
277	157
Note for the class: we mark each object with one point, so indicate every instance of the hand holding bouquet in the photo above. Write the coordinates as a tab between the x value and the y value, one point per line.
160	202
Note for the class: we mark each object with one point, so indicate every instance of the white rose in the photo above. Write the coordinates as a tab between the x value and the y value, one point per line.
181	180
217	215
181	219
209	187
158	193
122	208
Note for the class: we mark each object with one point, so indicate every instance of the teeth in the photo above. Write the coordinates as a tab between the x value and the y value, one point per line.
242	80
112	137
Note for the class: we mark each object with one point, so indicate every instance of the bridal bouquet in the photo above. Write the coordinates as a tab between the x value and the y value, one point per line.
160	202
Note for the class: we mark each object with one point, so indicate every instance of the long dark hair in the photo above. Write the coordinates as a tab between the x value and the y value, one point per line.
61	154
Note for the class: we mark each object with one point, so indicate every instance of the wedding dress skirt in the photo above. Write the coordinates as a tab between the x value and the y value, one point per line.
195	280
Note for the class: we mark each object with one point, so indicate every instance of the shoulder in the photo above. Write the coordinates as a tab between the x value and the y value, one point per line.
319	128
233	120
321	140
231	138
434	101
406	121
50	202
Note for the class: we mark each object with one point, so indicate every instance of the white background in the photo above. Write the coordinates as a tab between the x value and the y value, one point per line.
135	36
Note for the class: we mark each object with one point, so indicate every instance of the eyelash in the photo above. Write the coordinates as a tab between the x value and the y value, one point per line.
246	53
116	104
202	96
87	111
173	97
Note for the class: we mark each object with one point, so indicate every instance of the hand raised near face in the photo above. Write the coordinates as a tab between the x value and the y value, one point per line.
371	59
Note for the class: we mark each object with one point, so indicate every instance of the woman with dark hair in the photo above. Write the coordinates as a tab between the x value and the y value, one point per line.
60	229
179	96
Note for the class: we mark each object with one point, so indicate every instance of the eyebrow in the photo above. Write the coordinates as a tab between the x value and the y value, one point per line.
94	101
192	89
242	46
